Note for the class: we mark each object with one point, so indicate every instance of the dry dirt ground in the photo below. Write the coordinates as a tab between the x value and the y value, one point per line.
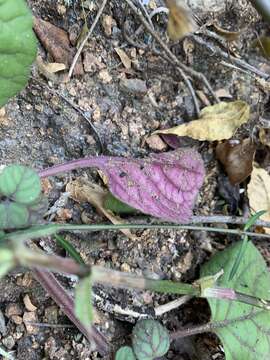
42	129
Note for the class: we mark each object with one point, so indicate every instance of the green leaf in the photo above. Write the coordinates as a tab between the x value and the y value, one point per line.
20	183
6	261
242	250
244	330
117	206
70	249
37	210
83	301
150	339
125	353
13	216
17	47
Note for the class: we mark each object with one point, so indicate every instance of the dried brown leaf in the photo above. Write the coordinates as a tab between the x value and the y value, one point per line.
264	136
180	20
259	193
237	159
217	122
123	57
82	190
56	42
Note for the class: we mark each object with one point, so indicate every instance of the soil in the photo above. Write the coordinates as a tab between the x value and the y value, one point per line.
125	105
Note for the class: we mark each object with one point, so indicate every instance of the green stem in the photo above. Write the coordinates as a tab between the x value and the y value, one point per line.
126	280
170	287
50	229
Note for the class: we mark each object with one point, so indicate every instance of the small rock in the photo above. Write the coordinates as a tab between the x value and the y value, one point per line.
107	23
29	317
51	314
8	342
13	309
156	143
104	76
125	267
134	86
17	319
91	63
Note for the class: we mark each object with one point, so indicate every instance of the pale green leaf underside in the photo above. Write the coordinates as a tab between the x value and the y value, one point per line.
17	47
245	330
83	301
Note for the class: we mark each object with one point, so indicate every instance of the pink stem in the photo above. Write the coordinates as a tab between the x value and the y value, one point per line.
66	303
98	161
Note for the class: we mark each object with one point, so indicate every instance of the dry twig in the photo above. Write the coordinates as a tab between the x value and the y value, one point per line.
78	53
173	59
219	52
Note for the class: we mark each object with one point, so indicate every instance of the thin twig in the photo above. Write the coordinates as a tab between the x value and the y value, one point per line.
46	325
78	53
184	68
221	219
194	330
216	50
75	107
162	309
81	112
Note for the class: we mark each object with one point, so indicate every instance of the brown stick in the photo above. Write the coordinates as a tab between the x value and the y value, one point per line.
168	52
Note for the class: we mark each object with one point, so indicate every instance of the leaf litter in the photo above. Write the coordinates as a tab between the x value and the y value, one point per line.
82	190
216	122
259	193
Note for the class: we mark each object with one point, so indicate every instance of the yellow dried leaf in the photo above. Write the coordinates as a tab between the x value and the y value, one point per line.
123	57
217	122
259	193
82	190
49	69
264	136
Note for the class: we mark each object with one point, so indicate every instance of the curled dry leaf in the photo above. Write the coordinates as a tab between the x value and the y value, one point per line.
259	193
82	190
180	20
237	159
49	69
217	122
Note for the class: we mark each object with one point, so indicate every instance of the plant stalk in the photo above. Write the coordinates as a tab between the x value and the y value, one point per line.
66	303
51	229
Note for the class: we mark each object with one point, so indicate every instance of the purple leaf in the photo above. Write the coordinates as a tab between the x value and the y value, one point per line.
164	185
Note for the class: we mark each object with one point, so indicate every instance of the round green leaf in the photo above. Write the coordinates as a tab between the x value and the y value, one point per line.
17	47
150	340
13	216
125	353
20	183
